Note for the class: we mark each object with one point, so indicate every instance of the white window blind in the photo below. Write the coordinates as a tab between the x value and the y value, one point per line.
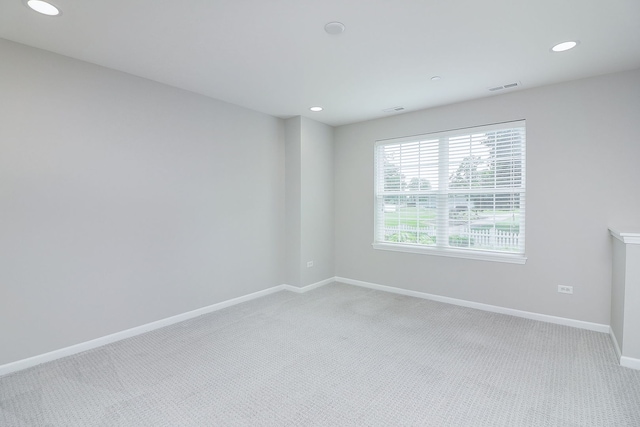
458	193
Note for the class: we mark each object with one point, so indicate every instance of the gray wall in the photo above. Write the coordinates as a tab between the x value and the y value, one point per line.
631	346
317	202
309	201
293	186
124	201
618	277
625	295
582	175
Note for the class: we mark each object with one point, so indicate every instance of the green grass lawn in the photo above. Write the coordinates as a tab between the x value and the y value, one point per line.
410	216
422	217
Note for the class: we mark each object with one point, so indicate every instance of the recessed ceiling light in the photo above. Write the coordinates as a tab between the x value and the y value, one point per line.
315	109
435	78
43	7
334	28
561	47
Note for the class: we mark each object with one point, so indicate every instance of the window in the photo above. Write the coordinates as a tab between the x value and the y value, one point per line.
457	193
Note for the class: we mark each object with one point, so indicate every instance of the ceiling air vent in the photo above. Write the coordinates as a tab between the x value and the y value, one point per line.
507	86
393	109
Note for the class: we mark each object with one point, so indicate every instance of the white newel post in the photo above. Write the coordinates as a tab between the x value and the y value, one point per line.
625	295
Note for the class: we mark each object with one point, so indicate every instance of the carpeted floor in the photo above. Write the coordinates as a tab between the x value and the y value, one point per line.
335	356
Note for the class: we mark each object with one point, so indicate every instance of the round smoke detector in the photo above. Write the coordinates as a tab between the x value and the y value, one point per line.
334	28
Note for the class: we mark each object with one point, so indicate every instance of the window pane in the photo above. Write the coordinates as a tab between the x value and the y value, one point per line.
488	221
407	223
391	168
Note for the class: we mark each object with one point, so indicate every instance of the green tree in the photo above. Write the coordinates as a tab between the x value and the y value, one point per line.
419	184
505	165
394	180
501	168
469	173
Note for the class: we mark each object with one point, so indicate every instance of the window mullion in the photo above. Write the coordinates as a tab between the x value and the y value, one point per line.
442	204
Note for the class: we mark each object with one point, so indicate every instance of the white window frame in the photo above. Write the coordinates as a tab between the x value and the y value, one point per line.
442	247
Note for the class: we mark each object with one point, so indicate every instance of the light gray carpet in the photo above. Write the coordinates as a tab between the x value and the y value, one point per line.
335	356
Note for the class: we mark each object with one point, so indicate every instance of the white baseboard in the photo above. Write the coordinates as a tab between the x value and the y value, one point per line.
480	306
630	362
108	339
627	362
616	347
309	287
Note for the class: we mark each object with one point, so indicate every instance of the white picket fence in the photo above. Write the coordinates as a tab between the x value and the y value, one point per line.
488	238
494	238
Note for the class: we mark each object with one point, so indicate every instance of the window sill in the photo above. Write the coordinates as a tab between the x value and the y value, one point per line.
454	253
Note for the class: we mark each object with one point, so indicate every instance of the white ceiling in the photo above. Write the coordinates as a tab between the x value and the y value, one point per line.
274	55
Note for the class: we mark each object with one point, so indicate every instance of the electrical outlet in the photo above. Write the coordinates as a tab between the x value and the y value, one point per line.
309	264
565	289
